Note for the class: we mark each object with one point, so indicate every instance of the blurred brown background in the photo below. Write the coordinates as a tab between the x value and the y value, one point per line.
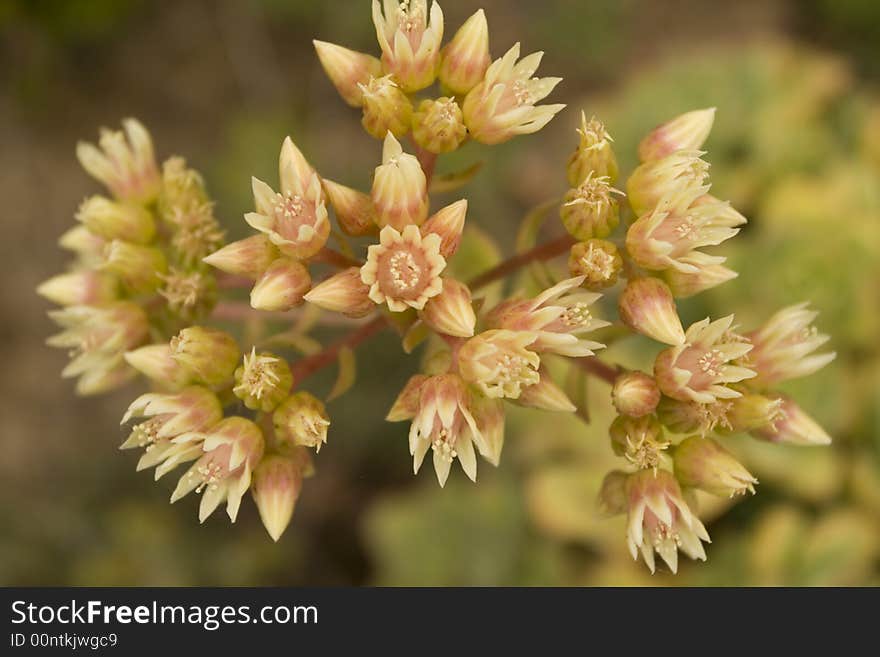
796	147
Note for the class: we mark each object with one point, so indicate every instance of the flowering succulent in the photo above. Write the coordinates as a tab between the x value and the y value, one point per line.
152	290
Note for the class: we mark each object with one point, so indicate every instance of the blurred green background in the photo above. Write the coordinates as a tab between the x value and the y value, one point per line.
796	147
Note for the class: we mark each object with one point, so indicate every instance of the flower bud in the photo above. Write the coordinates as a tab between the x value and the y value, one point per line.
400	190
276	486
612	494
138	267
639	440
347	69
448	223
710	273
210	354
410	41
282	286
124	162
343	292
301	419
653	180
702	463
354	210
262	381
590	210
686	132
157	364
752	412
635	394
793	426
464	60
112	220
647	307
598	261
545	395
248	257
489	417
593	155
84	243
83	287
503	104
386	108
438	126
451	312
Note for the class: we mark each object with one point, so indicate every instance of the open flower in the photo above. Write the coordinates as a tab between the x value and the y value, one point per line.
556	318
231	450
660	520
443	423
295	219
500	363
503	104
684	220
125	163
700	368
403	270
98	337
169	417
410	40
782	347
654	180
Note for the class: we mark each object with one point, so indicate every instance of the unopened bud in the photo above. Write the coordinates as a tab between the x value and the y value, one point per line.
590	209
647	307
113	220
703	463
386	108
598	261
752	412
343	292
83	287
711	273
157	364
545	395
793	426
276	486
400	191
210	354
594	155
612	494
451	312
84	243
248	257
686	132
302	420
448	223
438	126
354	210
347	69
635	394
465	58
262	381
282	286
139	267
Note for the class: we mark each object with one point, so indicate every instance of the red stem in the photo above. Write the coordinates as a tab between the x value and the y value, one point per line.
340	260
304	368
543	251
598	369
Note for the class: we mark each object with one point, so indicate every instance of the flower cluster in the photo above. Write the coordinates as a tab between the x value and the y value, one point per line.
141	295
